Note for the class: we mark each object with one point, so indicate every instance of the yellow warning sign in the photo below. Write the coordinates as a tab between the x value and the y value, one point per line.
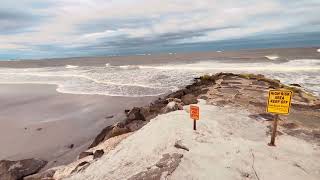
279	101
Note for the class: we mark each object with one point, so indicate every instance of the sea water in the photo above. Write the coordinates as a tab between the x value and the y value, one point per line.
153	80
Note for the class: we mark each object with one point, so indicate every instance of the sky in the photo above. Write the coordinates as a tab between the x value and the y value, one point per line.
69	28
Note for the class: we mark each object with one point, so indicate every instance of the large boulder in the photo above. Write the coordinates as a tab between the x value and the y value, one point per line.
12	170
178	94
118	130
173	105
109	132
101	136
189	99
135	114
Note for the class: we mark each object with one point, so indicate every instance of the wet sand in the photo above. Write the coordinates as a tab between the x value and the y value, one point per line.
38	122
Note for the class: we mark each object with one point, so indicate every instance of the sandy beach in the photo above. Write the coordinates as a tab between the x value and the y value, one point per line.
53	110
38	122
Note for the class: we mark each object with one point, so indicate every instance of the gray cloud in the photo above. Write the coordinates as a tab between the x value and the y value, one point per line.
13	22
100	27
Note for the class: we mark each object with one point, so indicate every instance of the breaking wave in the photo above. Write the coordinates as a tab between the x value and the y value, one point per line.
153	80
272	57
71	66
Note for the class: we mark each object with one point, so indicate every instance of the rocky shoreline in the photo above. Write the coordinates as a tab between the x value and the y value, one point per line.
246	91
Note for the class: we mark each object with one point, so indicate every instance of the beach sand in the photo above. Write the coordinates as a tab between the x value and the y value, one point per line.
38	122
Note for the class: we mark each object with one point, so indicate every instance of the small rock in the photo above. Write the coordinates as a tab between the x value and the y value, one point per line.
109	117
296	85
245	174
71	146
39	129
98	154
179	145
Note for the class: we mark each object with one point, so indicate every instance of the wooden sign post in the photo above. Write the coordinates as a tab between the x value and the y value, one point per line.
279	102
194	114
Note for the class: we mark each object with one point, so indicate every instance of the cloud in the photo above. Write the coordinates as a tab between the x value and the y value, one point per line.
62	27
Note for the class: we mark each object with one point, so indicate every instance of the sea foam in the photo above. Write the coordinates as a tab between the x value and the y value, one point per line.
153	80
272	57
71	66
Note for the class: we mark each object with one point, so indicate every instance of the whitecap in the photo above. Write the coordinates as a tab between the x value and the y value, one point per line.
272	57
129	67
71	66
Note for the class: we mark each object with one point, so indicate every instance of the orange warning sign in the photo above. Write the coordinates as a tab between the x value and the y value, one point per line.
194	112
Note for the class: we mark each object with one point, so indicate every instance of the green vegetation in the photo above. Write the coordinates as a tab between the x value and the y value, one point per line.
206	77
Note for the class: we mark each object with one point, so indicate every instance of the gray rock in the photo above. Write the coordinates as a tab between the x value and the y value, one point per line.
109	132
171	106
189	99
177	94
12	170
117	130
135	114
101	136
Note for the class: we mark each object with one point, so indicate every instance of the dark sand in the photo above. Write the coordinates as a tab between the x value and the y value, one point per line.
38	122
240	56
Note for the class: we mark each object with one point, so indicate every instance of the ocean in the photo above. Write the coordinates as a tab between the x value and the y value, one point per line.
155	79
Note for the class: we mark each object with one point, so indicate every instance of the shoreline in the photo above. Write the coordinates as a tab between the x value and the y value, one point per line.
37	121
219	90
